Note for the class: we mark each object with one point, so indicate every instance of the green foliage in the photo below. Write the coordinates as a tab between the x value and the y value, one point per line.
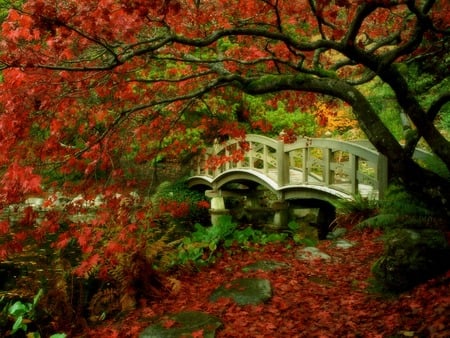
201	246
383	100
302	124
444	121
411	257
359	204
354	211
401	209
303	234
22	314
429	81
181	203
426	85
20	311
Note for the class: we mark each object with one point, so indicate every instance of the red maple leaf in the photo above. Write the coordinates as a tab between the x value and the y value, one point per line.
168	323
198	334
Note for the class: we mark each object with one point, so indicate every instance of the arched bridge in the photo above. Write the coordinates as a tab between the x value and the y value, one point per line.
310	167
309	173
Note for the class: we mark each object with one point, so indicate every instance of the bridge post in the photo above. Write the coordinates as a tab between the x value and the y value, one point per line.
283	163
327	173
281	215
217	205
354	164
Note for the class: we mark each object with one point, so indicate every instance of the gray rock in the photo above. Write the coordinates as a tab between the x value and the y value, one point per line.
244	291
344	244
310	253
336	233
185	324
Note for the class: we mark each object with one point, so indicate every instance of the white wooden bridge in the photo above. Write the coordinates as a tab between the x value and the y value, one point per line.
308	168
309	173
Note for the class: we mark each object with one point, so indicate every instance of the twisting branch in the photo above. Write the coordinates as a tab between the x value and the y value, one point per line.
126	114
432	113
363	11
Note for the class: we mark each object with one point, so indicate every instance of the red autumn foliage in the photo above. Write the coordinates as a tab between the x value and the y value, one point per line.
310	298
92	89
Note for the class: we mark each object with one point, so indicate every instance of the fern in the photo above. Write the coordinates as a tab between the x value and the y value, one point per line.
399	201
141	272
355	211
401	209
104	302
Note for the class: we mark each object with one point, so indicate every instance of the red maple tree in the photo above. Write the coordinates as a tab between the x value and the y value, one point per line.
82	80
91	89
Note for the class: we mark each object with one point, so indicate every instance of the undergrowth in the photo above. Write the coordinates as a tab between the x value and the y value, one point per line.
400	209
201	246
353	212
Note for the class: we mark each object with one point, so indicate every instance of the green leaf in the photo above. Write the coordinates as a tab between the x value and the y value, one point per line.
19	325
294	226
19	309
213	246
37	297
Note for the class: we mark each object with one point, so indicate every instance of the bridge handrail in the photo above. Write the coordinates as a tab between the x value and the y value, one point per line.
356	152
223	148
266	154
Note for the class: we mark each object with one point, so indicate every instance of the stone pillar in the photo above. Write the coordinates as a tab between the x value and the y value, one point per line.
325	217
281	216
217	209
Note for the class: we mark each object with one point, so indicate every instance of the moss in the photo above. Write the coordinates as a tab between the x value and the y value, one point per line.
411	257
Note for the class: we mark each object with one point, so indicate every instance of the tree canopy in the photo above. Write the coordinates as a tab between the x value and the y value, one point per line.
87	83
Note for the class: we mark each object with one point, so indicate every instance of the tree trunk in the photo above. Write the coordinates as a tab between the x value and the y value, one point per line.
432	187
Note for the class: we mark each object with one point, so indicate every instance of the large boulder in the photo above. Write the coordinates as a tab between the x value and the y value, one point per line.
411	257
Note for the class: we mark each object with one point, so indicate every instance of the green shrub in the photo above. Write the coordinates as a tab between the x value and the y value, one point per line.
179	202
202	245
302	124
303	234
21	314
410	258
354	211
400	209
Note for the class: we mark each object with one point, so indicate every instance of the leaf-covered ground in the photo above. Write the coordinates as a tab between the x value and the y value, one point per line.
310	298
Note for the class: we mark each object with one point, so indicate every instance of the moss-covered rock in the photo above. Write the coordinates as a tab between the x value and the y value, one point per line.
411	257
183	324
244	291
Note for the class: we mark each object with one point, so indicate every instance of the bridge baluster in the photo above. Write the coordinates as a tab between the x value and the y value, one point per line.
265	159
305	167
354	164
327	155
282	165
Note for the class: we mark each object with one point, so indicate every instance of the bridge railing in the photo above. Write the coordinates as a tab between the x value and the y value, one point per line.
343	166
255	152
